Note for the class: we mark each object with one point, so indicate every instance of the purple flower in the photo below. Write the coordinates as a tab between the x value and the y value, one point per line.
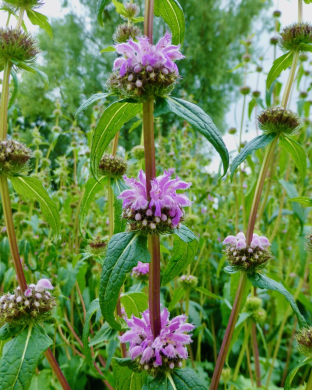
165	205
239	241
170	345
142	53
142	269
44	284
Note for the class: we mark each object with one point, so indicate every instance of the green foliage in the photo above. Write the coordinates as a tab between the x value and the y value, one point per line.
280	64
297	153
172	13
183	379
125	378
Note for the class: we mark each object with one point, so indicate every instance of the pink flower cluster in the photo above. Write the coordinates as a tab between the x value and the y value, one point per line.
141	270
165	206
239	241
142	53
169	348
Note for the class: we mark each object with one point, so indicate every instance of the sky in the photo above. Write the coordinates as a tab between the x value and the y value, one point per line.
289	9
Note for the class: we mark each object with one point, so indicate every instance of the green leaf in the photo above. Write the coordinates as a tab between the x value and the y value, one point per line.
261	281
280	64
236	67
304	200
292	193
120	8
15	90
185	248
208	293
108	49
251	106
305	47
202	122
40	20
94	306
92	99
125	378
113	118
91	189
172	13
257	143
308	1
178	379
21	356
31	69
106	333
297	153
178	294
100	10
42	381
33	189
8	331
134	303
294	371
230	270
139	19
123	253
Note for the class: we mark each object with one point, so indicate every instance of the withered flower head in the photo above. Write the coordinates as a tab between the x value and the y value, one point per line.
295	36
279	120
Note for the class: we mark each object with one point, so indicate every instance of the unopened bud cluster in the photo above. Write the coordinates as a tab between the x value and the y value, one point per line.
98	246
295	36
188	281
124	32
33	305
14	158
17	45
248	258
146	221
112	166
138	152
143	82
278	120
308	245
304	340
226	375
254	306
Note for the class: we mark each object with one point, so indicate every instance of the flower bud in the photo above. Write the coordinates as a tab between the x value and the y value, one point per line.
277	14
279	120
17	45
274	41
259	69
232	130
112	166
256	94
14	158
253	303
124	32
304	340
38	154
188	281
295	35
259	316
138	152
245	90
246	57
226	375
303	95
98	246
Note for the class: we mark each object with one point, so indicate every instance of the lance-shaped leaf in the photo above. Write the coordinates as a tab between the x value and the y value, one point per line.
33	189
184	250
21	356
7	331
92	99
201	121
123	253
113	118
100	10
183	379
118	186
257	143
134	303
304	200
15	90
261	281
40	20
95	306
172	13
297	153
294	371
91	189
34	70
280	64
125	377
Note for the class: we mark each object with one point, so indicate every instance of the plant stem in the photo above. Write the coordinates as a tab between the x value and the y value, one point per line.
229	332
4	101
300	14
110	208
56	369
8	219
290	80
255	350
20	18
154	284
309	385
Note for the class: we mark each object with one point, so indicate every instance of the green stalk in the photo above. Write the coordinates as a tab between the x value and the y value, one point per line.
5	100
20	18
309	385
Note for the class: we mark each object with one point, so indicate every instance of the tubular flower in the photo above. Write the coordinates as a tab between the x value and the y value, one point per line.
164	352
163	212
33	305
146	70
141	271
249	258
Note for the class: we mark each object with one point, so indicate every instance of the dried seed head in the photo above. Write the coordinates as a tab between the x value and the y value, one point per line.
295	36
304	339
14	158
124	32
274	41
98	246
279	120
277	14
253	303
17	45
112	166
138	152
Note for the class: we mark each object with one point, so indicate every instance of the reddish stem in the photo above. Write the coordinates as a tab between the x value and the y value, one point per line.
255	350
